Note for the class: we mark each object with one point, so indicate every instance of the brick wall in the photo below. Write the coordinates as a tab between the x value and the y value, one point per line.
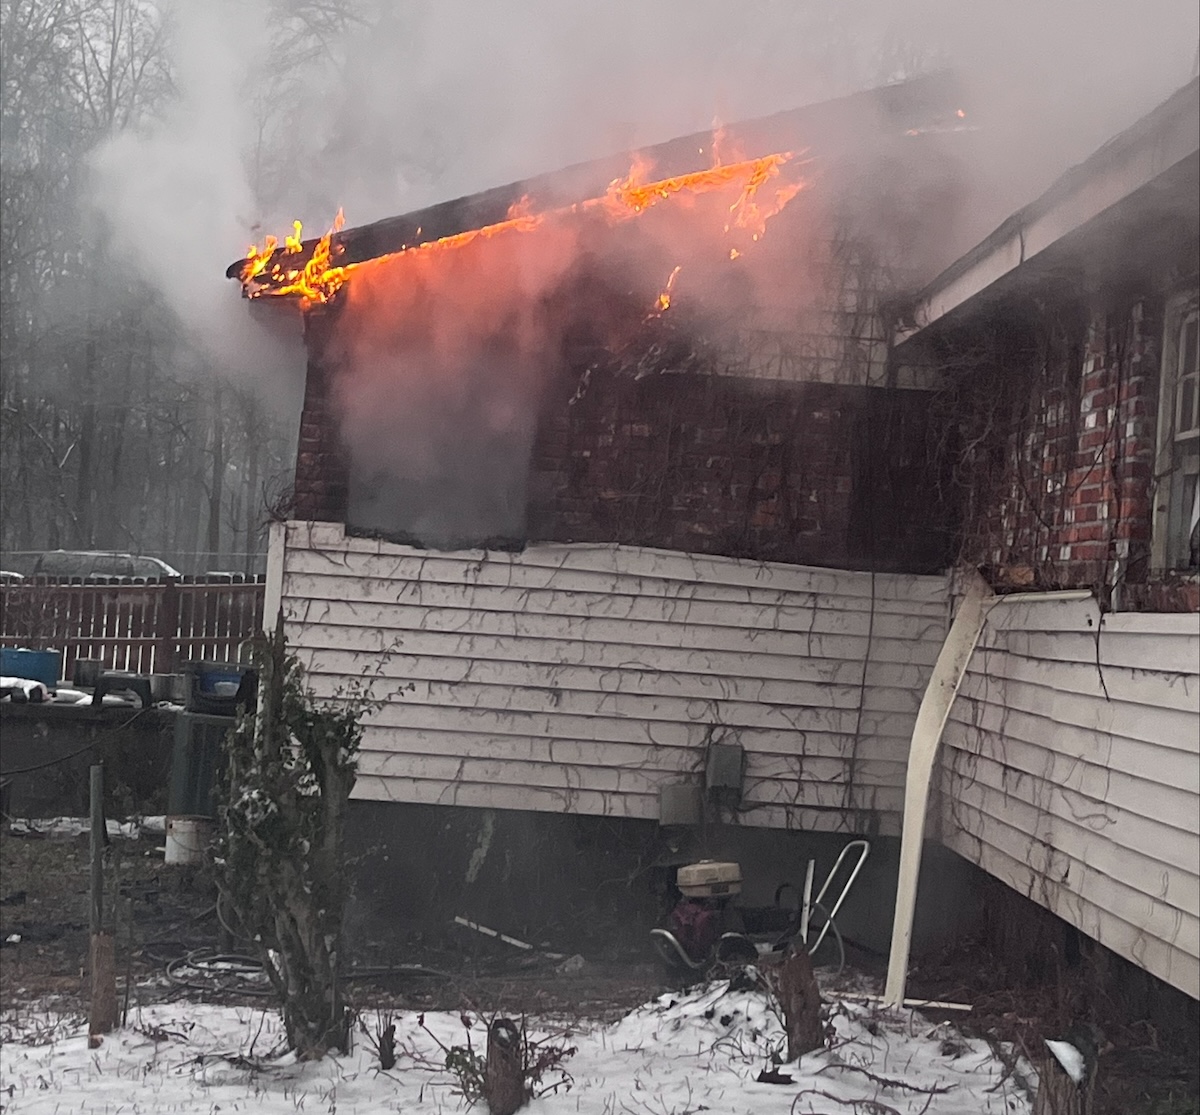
319	492
1058	424
818	474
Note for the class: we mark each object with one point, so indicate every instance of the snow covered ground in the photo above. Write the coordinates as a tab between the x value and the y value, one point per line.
700	1050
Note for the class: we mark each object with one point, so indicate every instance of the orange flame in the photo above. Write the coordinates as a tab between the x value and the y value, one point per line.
630	195
267	271
663	302
271	271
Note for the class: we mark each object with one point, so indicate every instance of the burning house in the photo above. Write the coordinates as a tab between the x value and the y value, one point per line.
633	491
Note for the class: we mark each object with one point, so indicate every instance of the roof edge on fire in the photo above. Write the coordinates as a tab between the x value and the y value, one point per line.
1162	144
823	126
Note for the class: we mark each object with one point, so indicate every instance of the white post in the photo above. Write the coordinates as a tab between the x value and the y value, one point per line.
273	590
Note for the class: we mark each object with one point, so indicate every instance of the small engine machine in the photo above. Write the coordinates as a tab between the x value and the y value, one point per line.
708	925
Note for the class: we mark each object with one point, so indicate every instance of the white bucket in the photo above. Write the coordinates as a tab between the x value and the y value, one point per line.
188	838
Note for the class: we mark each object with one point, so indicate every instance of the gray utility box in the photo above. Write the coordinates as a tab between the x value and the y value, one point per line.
724	773
197	760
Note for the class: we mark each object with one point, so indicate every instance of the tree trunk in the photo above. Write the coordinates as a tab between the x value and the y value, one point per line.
113	532
253	448
801	1002
85	488
504	1081
216	488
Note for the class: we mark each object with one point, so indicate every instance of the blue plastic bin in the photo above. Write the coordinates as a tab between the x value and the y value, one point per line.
36	665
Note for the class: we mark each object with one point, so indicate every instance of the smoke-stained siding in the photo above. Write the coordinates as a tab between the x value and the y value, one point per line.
583	678
1072	773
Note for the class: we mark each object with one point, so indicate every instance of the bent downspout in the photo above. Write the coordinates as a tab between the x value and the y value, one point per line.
939	696
927	734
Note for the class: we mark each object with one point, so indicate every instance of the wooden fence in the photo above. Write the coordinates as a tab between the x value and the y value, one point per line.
143	626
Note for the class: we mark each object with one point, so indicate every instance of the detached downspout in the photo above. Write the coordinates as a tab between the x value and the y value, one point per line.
939	696
943	686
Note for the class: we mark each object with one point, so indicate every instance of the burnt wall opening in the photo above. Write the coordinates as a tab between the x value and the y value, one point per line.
556	387
808	473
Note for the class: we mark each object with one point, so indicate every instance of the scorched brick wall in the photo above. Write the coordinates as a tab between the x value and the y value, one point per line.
319	493
816	474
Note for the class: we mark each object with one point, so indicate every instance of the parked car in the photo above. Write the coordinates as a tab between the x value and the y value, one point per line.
99	563
9	577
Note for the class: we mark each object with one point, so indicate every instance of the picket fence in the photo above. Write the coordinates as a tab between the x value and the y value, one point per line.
145	626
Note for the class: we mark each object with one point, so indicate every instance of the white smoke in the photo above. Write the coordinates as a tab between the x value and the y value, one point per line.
407	103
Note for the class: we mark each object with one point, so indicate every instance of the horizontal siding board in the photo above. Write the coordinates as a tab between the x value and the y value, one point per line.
610	559
497	698
975	720
1168	962
451	608
1161	837
1142	624
876	766
1084	617
432	578
801	819
1143	687
1025	614
1072	771
604	670
642	779
401	619
1103	766
629	679
1167	654
860	798
842	669
635	806
1112	841
471	726
1120	903
1101	875
1160	727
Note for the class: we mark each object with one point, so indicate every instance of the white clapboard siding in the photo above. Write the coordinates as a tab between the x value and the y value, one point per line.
1071	771
585	678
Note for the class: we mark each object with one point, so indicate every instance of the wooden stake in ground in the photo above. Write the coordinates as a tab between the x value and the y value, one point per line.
1067	1072
102	961
800	1000
504	1080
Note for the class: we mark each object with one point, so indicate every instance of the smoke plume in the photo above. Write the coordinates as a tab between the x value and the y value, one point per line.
287	111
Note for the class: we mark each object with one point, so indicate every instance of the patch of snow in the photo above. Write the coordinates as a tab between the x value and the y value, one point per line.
65	696
1069	1057
67	827
699	1050
111	700
35	692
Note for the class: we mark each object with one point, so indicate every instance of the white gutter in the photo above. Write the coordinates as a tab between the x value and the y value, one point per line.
939	696
1127	163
